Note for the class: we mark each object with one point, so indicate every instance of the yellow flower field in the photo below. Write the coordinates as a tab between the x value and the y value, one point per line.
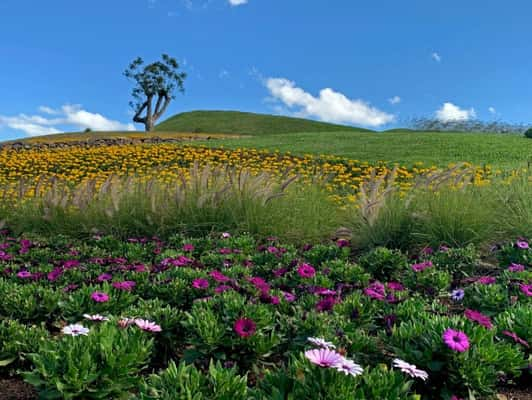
75	165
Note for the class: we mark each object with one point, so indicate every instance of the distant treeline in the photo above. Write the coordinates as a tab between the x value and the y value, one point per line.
434	124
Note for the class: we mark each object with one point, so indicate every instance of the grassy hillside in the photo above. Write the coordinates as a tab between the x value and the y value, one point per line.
245	123
433	148
236	129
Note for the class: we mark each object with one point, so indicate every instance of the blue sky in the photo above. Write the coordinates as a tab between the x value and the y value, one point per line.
369	63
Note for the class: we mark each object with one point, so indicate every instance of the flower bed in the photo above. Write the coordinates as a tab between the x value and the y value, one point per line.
168	162
223	317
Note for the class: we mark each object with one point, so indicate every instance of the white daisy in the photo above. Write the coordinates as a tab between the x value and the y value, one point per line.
410	369
321	343
95	317
75	330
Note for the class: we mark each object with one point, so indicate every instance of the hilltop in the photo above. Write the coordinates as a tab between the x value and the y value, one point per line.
246	123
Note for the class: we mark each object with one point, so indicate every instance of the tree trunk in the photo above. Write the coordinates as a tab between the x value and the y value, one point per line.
149	124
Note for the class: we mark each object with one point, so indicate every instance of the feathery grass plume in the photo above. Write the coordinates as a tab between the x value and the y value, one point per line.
199	200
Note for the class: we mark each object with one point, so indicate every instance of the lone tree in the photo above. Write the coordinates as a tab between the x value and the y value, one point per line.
157	82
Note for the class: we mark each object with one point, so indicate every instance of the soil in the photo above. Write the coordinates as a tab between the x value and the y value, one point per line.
15	389
515	394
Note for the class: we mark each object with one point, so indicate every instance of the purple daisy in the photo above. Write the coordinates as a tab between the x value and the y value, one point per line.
324	357
457	294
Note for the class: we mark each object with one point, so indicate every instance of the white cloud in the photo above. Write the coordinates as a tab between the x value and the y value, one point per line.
47	110
492	110
394	100
30	128
450	112
330	106
436	57
237	2
69	117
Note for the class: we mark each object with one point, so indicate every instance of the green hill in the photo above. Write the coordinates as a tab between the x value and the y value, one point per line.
245	123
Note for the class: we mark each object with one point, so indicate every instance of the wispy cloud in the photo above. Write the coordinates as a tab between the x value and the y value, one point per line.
492	110
235	3
196	5
436	57
68	117
330	106
394	100
451	112
223	74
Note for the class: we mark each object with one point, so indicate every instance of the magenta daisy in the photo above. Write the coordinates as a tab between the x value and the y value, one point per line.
456	340
516	338
326	304
376	291
259	283
188	247
526	289
147	326
478	317
422	266
342	243
125	285
222	288
486	280
100	297
516	267
289	297
104	277
245	327
200	283
395	286
24	274
324	357
306	271
522	244
219	277
410	369
54	274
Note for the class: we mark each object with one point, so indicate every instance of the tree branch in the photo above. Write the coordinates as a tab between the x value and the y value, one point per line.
167	100
137	117
158	105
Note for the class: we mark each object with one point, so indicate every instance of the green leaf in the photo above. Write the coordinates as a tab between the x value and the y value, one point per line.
7	361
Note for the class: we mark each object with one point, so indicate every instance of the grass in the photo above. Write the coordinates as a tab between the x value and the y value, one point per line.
212	199
450	215
244	123
406	148
301	136
437	210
